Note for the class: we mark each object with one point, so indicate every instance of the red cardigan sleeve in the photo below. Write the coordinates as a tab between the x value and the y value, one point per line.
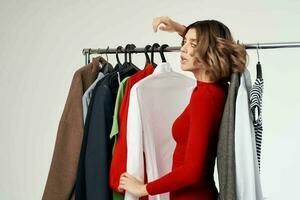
202	114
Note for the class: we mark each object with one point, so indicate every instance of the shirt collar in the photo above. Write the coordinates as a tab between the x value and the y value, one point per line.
162	68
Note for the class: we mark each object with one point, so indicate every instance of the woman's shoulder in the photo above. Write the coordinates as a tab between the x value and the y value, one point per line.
209	91
208	98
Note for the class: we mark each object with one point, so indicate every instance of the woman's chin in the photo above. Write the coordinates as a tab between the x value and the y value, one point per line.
183	67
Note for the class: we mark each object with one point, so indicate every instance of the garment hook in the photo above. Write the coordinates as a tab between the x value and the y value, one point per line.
119	48
257	51
89	55
106	53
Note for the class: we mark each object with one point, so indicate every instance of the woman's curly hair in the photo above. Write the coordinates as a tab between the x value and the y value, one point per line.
219	54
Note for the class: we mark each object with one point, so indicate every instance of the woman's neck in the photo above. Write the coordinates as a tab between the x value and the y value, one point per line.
201	76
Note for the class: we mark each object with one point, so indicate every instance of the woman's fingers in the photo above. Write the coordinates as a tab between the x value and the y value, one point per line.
121	187
129	176
155	23
123	180
162	22
125	174
162	27
122	183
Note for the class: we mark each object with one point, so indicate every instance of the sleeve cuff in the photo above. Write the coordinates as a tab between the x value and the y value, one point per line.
148	190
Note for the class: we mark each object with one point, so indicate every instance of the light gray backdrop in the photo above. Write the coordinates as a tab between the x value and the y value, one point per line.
40	49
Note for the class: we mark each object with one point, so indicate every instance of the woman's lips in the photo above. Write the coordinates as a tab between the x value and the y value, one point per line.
182	59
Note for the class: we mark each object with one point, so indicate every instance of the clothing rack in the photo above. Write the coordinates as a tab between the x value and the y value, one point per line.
88	51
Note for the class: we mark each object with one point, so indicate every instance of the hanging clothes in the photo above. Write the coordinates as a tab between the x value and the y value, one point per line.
256	106
226	146
115	126
92	176
155	102
248	186
81	182
119	158
63	169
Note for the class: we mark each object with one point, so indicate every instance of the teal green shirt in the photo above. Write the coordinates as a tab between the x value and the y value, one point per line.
115	126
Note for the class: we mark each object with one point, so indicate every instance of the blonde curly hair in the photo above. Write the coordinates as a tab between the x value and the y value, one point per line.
219	54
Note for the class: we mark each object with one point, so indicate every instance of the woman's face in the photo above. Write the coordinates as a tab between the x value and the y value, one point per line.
188	62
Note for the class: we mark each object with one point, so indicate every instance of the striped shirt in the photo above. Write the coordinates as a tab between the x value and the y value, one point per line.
256	108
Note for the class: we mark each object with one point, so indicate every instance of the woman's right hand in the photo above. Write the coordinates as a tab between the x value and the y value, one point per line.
165	23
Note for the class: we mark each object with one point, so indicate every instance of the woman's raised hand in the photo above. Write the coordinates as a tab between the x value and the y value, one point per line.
164	23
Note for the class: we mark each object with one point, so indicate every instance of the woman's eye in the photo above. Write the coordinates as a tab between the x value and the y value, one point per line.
192	44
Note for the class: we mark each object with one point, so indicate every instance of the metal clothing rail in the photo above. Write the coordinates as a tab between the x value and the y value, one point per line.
89	51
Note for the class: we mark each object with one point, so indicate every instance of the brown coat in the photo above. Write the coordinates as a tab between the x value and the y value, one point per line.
63	169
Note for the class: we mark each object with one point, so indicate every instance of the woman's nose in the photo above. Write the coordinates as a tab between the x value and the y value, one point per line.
183	49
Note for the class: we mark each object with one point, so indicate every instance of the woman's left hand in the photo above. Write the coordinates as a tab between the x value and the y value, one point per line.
132	184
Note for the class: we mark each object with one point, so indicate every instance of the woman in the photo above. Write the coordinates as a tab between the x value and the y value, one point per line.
210	53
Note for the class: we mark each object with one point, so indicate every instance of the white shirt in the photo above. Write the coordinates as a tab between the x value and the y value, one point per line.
155	102
248	185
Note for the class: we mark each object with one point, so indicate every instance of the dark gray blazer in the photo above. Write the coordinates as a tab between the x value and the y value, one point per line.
225	149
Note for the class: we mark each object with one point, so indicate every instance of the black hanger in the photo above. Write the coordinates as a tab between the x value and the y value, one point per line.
106	53
147	48
128	49
119	48
127	68
258	65
131	49
106	66
128	64
125	54
154	46
161	51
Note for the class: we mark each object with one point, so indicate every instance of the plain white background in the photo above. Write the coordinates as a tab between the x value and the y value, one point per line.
40	49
